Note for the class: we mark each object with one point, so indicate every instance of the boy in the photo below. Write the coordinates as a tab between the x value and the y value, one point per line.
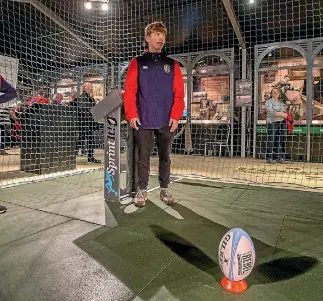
154	103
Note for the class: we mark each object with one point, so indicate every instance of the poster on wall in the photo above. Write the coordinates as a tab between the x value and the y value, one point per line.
68	88
200	106
291	84
243	93
98	92
317	102
211	98
223	112
270	76
97	87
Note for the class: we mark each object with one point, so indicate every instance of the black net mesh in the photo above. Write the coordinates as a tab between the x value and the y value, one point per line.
51	50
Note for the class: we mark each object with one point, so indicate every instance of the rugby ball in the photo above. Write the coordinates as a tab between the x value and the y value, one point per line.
236	254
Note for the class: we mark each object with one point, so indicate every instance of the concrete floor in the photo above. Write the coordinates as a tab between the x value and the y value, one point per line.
53	245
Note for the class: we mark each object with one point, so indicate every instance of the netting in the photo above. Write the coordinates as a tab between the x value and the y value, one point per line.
51	50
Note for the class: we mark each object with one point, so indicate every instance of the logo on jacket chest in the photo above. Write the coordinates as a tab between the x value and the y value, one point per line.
166	68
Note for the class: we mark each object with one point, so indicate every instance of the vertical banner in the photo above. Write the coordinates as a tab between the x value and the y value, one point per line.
112	156
109	110
243	93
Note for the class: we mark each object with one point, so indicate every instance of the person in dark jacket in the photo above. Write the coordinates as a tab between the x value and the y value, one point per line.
154	103
87	125
8	93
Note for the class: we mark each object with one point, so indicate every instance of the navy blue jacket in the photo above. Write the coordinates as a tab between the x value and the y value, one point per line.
9	92
154	90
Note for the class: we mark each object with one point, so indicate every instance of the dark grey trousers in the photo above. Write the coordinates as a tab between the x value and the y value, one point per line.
145	143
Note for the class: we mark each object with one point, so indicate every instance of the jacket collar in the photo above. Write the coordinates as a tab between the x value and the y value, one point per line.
163	52
156	56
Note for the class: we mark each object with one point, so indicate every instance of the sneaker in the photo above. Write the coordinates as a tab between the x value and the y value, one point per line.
3	153
167	197
3	209
271	161
281	161
141	198
93	160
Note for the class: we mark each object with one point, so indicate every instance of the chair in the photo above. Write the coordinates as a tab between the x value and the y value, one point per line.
221	137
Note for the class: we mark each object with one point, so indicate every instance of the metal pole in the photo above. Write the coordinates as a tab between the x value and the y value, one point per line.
233	18
255	114
309	99
112	80
243	109
232	102
236	27
189	78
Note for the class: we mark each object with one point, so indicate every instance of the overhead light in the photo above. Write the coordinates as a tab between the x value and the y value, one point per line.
251	1
88	5
97	4
104	6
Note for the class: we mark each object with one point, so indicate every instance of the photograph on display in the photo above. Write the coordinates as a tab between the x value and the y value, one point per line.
209	93
270	76
67	92
292	83
223	111
199	97
295	111
243	92
67	87
195	111
97	86
200	106
204	109
291	92
317	102
98	92
297	74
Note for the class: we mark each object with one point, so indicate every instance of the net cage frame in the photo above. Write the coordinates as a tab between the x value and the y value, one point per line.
114	70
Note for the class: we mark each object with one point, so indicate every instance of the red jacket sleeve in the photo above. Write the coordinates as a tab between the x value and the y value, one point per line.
131	88
178	106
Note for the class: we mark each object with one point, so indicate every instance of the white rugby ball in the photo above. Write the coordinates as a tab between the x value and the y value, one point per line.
236	254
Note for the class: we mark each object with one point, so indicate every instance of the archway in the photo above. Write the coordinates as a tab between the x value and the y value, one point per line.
283	67
212	102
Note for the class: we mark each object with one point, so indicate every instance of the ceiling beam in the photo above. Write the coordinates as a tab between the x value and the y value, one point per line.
233	18
60	22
